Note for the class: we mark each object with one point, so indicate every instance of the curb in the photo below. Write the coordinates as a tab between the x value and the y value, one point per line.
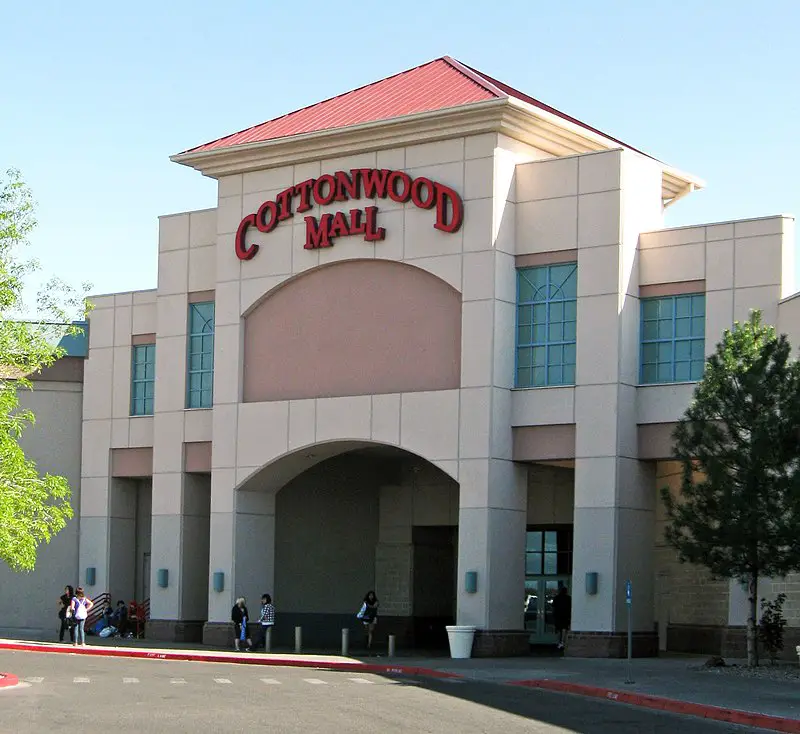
704	711
201	657
7	680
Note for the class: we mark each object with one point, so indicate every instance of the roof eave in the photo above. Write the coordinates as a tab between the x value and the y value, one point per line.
463	119
507	115
577	139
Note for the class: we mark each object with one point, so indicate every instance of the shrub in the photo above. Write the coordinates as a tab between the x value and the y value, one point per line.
770	628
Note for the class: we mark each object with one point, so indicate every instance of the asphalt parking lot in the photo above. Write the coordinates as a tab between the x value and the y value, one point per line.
127	695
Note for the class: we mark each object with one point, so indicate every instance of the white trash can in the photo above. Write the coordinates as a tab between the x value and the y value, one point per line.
460	637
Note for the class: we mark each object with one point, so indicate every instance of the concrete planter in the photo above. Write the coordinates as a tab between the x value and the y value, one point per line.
460	638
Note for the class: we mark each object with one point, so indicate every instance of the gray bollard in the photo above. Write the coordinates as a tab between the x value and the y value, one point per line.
298	639
268	640
391	646
345	642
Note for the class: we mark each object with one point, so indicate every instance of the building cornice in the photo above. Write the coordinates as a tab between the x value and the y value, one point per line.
509	116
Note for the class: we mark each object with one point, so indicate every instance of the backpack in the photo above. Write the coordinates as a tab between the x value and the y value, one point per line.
80	609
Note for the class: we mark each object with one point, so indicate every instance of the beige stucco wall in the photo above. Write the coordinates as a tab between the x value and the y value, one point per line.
28	607
602	210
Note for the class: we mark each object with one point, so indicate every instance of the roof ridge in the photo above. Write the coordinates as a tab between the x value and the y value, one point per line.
510	91
476	76
321	102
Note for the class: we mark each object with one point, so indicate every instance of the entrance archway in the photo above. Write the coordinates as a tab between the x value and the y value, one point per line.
344	519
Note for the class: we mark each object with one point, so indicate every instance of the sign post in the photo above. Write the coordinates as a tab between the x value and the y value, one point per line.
628	599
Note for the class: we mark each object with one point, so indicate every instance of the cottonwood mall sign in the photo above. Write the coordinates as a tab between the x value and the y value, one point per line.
371	183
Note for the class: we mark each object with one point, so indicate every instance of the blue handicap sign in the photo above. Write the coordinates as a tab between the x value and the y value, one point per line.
627	592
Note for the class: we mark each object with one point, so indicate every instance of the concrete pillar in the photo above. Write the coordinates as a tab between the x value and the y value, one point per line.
121	539
492	543
242	547
492	492
180	542
615	493
254	545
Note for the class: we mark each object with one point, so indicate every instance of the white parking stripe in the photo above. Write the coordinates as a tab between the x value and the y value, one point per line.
315	681
271	681
34	680
361	680
177	681
226	681
80	680
130	680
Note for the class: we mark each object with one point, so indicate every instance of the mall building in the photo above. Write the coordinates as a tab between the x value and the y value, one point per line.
433	340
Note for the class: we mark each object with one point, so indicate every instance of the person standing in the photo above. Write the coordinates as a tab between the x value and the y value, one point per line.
368	614
267	620
64	602
562	615
240	617
81	606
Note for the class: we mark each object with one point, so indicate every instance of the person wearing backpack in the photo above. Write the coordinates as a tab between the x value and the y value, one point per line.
81	605
368	614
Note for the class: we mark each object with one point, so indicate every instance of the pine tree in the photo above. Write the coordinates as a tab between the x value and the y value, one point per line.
739	444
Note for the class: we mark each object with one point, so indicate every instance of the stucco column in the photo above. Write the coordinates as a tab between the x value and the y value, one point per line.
180	504
254	544
493	489
615	493
242	548
122	538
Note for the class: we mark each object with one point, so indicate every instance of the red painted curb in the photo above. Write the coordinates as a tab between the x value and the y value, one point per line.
731	716
201	657
7	680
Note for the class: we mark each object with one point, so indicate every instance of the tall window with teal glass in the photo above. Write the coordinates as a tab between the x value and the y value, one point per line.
546	317
673	338
143	373
200	372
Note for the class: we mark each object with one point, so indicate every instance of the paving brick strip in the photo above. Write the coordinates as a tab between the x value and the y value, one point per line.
285	661
704	711
7	680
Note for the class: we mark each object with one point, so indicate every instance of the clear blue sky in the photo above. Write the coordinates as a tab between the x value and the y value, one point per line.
96	96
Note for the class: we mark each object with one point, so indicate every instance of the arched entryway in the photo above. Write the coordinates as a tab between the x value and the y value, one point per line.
346	518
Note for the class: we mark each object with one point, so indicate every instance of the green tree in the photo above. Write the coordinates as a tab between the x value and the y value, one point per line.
33	508
738	513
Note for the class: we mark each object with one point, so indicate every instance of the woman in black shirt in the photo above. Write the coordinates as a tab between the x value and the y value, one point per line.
240	617
66	624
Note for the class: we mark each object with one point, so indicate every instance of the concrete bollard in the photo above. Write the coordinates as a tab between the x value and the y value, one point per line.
345	642
298	639
268	640
391	646
797	649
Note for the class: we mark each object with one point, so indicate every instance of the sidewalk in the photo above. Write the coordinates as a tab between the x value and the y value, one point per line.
671	682
674	678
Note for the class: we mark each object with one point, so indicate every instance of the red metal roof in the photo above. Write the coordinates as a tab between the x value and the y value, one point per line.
437	85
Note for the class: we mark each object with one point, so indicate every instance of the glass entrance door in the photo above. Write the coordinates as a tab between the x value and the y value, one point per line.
539	594
548	567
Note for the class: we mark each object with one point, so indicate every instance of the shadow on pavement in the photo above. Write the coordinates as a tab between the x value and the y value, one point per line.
568	712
